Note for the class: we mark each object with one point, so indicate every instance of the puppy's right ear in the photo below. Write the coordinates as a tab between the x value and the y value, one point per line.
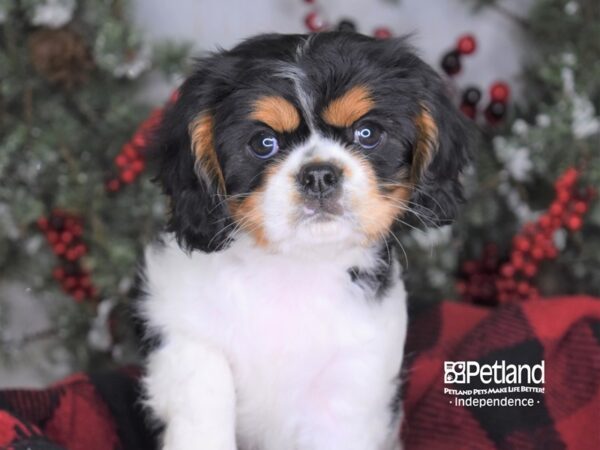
190	173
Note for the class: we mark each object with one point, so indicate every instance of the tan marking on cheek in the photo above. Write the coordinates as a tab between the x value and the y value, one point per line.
248	213
249	216
427	143
277	113
201	133
347	109
378	211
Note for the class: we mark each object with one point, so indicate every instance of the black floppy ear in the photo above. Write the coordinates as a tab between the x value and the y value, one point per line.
190	174
441	152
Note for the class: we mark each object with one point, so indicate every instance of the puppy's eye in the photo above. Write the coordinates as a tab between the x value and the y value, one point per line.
264	144
368	135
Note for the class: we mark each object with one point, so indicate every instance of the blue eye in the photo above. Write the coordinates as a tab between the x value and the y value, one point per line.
264	144
368	135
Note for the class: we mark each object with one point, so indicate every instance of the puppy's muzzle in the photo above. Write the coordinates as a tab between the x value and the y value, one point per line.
319	180
321	185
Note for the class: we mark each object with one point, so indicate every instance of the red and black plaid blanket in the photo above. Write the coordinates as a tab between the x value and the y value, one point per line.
101	412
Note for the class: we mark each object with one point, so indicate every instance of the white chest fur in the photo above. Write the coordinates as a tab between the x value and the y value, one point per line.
314	357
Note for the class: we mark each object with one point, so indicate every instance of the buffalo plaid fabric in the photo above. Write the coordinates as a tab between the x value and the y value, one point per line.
102	412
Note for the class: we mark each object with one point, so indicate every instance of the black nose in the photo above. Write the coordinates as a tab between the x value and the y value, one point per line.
319	179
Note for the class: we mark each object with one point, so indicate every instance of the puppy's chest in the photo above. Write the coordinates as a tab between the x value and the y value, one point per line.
280	309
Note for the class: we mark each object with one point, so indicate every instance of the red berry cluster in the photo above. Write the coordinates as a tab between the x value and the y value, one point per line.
63	232
476	282
130	161
488	281
315	22
495	111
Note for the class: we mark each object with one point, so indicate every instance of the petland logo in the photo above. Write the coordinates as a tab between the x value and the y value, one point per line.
461	372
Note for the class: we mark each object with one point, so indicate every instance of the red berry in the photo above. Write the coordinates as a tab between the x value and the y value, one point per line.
507	270
551	252
570	176
499	92
537	253
580	207
72	255
52	236
59	248
42	223
79	295
523	287
466	44
139	140
121	160
66	237
522	244
556	209
138	165
130	152
128	176
563	196
113	185
574	223
382	33
530	270
545	221
314	22
77	230
517	260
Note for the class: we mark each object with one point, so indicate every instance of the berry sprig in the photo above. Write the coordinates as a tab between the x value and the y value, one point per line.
315	22
497	107
131	161
495	111
477	278
490	281
64	231
470	98
452	60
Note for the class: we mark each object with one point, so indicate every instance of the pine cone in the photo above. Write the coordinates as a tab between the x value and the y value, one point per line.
60	56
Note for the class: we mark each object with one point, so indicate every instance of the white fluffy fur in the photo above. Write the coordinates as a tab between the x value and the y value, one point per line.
277	348
284	351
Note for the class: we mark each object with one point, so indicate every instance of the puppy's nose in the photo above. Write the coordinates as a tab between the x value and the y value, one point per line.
319	179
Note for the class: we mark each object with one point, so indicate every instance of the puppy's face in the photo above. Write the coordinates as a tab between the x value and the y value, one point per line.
308	140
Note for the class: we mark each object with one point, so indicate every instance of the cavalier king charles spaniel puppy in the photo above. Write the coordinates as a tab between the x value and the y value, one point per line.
276	297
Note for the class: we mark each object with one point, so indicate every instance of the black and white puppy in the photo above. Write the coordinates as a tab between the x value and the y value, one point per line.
277	295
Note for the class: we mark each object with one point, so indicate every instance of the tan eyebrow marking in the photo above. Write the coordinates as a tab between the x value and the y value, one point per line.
276	112
427	142
347	109
201	133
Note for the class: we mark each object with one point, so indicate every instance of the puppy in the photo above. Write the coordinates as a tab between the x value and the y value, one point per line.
276	297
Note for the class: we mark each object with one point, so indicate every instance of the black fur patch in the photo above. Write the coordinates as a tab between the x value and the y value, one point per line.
377	279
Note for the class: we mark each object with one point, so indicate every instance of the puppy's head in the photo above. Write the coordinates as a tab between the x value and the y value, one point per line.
302	140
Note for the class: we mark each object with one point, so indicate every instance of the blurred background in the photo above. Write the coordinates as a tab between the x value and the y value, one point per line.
83	82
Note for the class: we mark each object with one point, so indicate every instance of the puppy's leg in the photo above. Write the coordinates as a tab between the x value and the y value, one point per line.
190	387
349	406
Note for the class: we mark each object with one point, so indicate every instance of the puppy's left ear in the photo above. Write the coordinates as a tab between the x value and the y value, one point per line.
441	152
190	173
